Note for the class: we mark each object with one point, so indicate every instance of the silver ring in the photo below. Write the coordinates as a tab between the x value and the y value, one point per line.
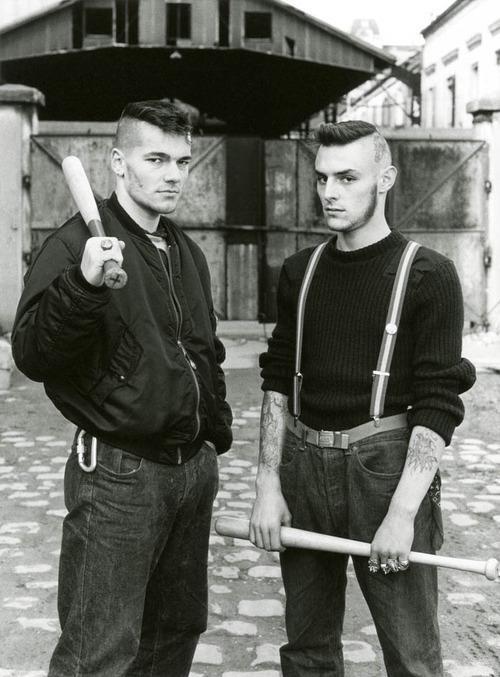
403	564
373	566
385	568
393	565
106	245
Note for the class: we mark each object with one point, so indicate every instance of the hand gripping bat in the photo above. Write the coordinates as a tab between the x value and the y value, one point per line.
114	276
298	538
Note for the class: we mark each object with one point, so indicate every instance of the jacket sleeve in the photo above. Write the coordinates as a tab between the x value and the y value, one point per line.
277	364
440	374
59	313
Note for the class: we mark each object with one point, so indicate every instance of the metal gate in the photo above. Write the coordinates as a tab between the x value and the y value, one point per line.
439	199
250	203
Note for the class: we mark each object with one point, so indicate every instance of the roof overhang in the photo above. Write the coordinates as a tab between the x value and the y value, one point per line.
253	92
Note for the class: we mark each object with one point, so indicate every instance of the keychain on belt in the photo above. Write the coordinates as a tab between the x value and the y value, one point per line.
80	452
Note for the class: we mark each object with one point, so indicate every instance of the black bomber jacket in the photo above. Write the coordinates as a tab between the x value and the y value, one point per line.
138	367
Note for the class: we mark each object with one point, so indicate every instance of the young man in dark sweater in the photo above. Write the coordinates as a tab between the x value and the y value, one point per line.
379	481
137	370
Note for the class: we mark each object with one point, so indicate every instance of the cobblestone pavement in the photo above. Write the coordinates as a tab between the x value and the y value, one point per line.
246	595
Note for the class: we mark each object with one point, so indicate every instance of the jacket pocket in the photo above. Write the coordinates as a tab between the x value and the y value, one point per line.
121	366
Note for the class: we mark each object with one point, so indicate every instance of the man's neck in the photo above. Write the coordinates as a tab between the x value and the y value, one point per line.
148	221
362	237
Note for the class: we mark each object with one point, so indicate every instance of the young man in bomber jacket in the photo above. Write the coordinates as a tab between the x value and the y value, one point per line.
137	370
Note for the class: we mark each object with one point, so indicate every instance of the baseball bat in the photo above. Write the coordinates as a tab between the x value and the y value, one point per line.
114	276
299	538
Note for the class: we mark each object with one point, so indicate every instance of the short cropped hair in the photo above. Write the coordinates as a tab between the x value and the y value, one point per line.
168	116
342	133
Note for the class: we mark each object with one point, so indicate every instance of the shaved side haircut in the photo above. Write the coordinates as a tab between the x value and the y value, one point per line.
169	117
342	133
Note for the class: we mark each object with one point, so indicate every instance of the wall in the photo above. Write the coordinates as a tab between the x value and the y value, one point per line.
471	36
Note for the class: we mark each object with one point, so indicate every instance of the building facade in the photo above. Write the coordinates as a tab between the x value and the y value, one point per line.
460	62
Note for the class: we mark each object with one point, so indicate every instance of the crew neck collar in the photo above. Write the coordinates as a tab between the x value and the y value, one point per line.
394	239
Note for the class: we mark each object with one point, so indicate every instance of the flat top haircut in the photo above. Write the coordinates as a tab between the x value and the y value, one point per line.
169	117
342	133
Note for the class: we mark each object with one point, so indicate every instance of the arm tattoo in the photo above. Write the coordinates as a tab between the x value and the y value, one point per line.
272	428
422	452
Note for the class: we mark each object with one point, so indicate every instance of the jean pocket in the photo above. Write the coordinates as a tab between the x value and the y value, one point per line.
117	462
383	454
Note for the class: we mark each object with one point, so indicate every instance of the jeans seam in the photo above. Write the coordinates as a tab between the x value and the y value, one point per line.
84	577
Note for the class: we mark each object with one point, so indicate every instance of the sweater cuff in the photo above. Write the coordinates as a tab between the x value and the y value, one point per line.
440	422
277	385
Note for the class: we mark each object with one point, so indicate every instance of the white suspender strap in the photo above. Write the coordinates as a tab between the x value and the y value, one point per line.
382	372
304	289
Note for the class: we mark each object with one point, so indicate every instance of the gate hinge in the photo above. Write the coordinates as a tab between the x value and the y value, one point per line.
487	257
487	186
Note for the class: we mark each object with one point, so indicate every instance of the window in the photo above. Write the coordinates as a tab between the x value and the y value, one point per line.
290	46
450	83
431	107
223	23
99	21
178	22
474	81
127	21
258	25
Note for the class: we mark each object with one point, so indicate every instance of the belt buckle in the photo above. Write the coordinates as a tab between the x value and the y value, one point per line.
325	438
340	440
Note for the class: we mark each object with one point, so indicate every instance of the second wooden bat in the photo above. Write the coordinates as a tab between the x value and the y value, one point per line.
299	538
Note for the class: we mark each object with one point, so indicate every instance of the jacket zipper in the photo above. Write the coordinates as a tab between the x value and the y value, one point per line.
191	363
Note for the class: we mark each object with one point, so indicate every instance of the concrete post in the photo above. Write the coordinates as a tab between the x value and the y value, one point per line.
18	120
486	118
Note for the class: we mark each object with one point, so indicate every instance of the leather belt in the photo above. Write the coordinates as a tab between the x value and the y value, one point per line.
341	439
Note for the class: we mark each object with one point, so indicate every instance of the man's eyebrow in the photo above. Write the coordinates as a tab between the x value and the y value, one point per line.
342	172
157	153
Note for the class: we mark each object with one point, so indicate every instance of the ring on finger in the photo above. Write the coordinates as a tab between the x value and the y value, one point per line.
373	566
393	565
403	564
385	568
106	245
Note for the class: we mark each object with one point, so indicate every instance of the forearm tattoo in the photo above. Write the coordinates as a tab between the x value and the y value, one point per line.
423	451
272	428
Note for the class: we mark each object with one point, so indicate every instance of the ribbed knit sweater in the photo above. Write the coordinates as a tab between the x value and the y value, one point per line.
345	317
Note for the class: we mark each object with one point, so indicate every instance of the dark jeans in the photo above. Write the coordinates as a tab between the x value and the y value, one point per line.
133	569
347	494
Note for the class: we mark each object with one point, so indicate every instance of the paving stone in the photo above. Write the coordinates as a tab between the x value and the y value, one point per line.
32	568
226	572
20	602
454	669
265	572
220	589
480	506
242	555
259	673
358	652
209	654
462	520
267	653
240	628
465	598
16	527
260	607
48	624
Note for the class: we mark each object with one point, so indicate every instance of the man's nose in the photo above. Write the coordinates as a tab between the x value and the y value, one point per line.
172	172
331	189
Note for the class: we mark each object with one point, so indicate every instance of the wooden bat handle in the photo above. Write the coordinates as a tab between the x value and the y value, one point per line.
299	538
114	276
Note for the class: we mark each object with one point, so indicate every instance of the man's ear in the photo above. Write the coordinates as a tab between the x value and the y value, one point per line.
387	179
117	162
